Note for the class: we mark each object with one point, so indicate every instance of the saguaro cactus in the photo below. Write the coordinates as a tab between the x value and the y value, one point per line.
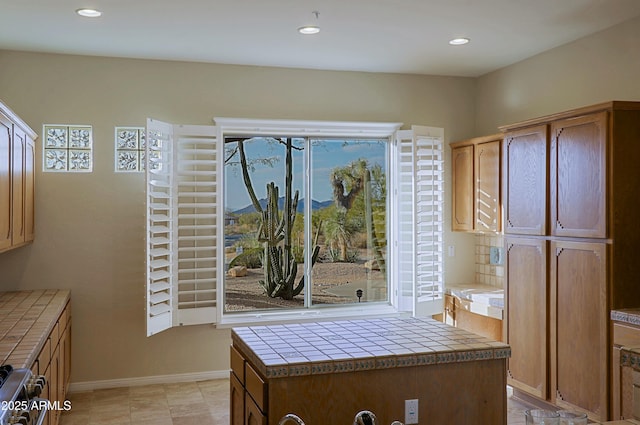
276	228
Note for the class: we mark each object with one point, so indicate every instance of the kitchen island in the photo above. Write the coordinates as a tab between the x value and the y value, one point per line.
326	372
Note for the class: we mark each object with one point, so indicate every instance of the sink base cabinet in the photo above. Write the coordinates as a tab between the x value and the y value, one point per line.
459	313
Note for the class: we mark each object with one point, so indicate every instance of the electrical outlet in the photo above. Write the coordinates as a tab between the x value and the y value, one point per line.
495	255
411	412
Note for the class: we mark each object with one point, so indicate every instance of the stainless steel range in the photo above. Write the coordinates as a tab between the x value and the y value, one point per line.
19	391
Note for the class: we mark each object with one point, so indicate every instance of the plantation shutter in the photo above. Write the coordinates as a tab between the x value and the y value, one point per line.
182	217
420	206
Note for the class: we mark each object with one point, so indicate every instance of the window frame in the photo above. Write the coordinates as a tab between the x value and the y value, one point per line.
374	308
241	127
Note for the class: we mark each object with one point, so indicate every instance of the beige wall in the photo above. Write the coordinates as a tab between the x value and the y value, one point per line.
90	227
594	69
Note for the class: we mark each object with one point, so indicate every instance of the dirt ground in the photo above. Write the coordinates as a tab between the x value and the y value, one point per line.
333	283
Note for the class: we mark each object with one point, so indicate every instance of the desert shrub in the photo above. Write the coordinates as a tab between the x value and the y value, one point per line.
250	258
353	255
248	242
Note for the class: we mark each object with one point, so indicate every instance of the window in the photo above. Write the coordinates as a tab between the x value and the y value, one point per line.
273	229
373	220
68	148
130	147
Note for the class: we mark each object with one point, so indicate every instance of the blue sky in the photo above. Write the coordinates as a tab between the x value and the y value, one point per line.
326	155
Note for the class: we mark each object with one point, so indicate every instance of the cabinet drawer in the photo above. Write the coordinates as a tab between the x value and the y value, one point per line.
62	322
626	336
44	357
256	387
237	364
55	335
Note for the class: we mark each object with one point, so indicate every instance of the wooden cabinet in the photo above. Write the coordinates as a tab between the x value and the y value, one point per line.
17	180
462	200
476	203
6	137
54	363
526	318
525	180
465	386
236	401
626	336
578	170
579	329
248	402
467	315
570	185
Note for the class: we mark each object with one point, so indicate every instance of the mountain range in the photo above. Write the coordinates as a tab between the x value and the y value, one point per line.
315	205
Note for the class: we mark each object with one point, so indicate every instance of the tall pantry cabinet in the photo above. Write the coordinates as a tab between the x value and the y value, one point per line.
571	188
17	180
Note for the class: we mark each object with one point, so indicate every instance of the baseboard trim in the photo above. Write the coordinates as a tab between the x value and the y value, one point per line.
76	387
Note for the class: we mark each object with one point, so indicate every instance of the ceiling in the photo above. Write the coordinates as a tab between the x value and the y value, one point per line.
399	36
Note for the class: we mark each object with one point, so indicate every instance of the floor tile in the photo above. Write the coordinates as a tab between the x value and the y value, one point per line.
197	403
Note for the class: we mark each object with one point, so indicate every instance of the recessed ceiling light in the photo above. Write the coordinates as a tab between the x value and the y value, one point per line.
459	41
89	13
309	29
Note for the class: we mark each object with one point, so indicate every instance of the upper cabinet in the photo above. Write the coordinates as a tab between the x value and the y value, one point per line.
556	173
578	171
476	204
462	193
17	180
525	181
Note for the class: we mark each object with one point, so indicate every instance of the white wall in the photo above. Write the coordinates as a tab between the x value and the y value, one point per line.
90	227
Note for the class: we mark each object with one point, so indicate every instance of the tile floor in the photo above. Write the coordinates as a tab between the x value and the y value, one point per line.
189	403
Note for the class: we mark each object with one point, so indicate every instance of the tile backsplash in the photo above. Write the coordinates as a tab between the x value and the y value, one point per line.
487	273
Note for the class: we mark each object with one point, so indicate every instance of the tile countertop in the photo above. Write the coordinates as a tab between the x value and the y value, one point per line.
26	319
482	299
627	315
629	355
353	345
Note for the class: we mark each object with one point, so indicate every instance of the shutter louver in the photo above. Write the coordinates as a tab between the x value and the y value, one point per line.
197	224
420	210
160	253
181	226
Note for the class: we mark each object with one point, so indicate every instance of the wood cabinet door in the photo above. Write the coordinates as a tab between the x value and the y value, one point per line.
236	402
252	413
526	325
19	147
579	331
487	199
578	170
6	131
462	194
29	189
525	181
